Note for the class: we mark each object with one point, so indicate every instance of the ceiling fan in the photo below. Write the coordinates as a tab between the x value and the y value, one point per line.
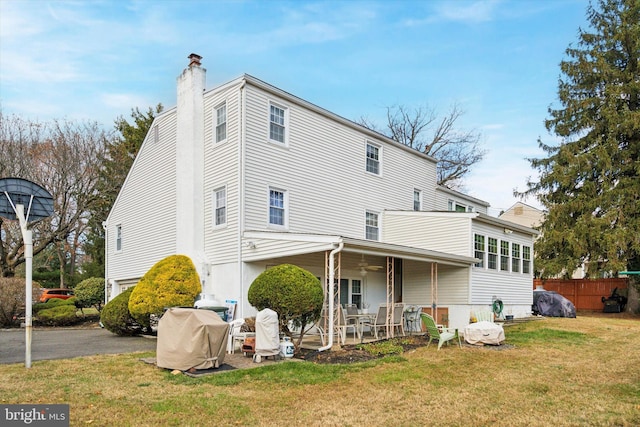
364	267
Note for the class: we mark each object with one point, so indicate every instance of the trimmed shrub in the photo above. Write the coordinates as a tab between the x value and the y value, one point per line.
53	302
90	292
115	316
172	282
292	292
59	315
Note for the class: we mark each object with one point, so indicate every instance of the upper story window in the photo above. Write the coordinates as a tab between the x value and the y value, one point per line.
457	207
492	256
417	200
118	238
479	249
515	257
504	256
526	259
373	158
221	123
220	206
278	119
372	226
277	207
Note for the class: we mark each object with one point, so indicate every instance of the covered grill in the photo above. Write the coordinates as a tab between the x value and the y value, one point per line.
191	338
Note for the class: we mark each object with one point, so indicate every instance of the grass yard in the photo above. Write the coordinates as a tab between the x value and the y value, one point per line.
560	372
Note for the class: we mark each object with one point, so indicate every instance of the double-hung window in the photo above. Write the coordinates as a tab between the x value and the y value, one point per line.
479	249
220	206
504	256
417	200
221	123
492	256
526	259
278	124
277	207
118	238
515	257
372	227
373	158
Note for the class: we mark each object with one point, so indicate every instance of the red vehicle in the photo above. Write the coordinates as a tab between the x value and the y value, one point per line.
61	293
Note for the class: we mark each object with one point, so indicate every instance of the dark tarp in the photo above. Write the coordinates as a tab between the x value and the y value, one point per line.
552	304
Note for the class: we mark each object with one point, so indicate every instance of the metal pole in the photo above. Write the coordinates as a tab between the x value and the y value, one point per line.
27	236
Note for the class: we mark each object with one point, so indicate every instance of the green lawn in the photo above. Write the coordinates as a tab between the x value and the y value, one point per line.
558	372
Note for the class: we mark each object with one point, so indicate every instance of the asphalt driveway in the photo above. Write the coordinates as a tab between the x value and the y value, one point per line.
66	343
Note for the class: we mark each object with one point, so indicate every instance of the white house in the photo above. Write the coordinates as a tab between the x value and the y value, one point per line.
246	176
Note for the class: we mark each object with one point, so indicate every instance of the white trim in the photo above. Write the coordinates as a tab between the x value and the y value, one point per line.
214	207
285	124
378	226
118	239
285	202
216	124
379	147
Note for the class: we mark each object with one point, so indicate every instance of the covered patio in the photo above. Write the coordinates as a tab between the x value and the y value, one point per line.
362	273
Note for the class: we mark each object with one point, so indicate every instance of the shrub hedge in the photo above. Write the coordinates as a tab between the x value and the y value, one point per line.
171	282
116	318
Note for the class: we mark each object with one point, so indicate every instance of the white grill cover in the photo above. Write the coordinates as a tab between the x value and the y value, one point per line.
191	338
267	333
484	332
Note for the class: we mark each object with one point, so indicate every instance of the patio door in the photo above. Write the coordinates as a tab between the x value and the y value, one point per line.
351	292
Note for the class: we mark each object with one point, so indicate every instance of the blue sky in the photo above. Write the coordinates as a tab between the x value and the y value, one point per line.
498	59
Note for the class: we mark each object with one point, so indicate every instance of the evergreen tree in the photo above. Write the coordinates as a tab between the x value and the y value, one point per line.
590	181
121	153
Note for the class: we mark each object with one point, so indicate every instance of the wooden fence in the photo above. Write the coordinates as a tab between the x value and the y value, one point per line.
585	294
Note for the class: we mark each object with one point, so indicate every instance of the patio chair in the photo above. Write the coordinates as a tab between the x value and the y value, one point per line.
484	316
398	317
343	325
435	334
380	320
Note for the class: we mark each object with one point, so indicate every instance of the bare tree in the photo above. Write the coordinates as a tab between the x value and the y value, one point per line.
421	129
63	157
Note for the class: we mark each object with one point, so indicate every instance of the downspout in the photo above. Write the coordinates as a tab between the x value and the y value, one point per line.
331	285
106	262
241	154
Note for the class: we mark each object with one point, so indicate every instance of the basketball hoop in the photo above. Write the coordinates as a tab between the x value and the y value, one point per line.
16	194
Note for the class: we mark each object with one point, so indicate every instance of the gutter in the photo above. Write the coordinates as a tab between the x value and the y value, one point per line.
332	255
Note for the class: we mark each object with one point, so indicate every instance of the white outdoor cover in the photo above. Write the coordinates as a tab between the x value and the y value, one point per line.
484	333
267	333
191	338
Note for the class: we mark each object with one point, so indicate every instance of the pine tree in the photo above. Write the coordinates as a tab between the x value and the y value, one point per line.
590	181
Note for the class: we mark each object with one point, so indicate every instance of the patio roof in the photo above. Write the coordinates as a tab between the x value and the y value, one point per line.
279	243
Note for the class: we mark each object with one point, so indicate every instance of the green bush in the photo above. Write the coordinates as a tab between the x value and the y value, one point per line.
59	315
53	302
115	316
171	282
90	292
292	292
13	299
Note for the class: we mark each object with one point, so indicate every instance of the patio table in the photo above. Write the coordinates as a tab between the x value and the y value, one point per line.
360	320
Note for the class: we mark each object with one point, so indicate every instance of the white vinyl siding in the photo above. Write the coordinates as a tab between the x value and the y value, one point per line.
511	288
150	235
221	163
329	196
444	232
